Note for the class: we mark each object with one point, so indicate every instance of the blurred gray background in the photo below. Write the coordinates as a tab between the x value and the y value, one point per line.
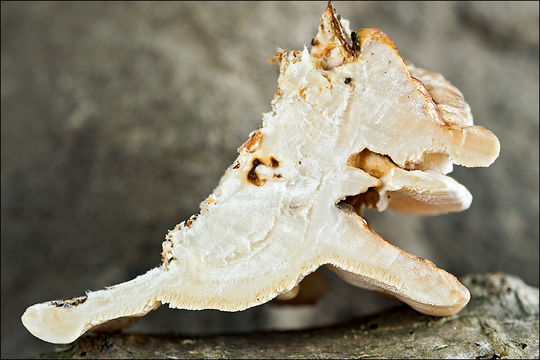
119	118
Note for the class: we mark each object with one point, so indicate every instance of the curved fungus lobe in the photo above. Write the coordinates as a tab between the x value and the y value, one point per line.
338	149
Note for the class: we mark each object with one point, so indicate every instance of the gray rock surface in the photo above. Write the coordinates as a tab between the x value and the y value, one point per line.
501	321
119	118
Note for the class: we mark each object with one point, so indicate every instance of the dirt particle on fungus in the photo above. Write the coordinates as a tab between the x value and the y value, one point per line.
275	163
59	304
355	42
254	139
236	165
256	162
347	80
252	173
302	92
373	326
69	303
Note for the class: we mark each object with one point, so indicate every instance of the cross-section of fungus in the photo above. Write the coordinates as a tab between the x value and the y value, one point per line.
352	126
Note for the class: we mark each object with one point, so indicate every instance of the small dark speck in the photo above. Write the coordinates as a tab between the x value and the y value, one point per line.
373	326
83	353
477	344
252	174
371	53
348	80
523	345
299	163
59	304
411	332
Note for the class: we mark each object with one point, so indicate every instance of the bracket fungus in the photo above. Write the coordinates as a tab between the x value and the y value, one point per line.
352	126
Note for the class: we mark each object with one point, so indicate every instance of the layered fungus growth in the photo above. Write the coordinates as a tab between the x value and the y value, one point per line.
352	126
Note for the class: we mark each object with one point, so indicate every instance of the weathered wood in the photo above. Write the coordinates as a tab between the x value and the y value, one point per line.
501	320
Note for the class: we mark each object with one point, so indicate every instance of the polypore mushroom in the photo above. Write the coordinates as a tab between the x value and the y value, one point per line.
351	126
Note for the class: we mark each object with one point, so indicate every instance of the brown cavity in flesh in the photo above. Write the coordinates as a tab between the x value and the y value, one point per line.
252	175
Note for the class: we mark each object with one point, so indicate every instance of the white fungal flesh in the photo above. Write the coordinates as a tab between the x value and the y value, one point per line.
282	209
